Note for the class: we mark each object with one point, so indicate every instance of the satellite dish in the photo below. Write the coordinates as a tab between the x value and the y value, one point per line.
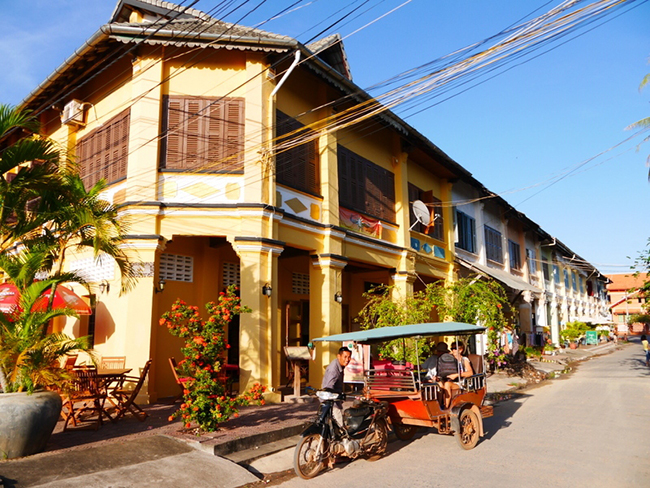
421	212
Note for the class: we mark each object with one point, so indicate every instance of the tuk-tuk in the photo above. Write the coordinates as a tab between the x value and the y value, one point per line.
415	401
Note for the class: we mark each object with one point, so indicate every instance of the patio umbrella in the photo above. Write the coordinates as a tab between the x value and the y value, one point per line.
63	297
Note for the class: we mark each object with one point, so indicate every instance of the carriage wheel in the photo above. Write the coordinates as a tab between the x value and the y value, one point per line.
404	432
380	441
469	430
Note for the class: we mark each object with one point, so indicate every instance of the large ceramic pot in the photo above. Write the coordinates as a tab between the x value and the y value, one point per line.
27	422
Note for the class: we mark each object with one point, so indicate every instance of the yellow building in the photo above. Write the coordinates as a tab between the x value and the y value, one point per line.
242	157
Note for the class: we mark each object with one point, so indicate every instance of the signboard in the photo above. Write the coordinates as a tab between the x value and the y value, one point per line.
591	337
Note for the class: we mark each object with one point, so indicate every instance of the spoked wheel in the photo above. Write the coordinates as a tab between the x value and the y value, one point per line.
378	440
469	430
310	456
404	432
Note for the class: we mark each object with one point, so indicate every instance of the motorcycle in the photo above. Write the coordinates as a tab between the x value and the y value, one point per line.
364	433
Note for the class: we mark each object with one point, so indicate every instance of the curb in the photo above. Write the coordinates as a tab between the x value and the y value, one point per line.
250	442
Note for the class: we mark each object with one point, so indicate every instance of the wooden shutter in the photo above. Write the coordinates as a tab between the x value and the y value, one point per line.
203	134
174	130
414	194
234	134
343	161
388	195
216	142
194	136
103	154
297	167
365	186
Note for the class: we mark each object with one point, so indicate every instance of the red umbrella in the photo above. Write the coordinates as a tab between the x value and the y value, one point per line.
63	297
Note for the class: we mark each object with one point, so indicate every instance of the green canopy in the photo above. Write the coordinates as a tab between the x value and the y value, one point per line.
384	334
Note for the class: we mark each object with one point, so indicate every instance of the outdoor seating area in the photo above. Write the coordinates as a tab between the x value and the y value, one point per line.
102	393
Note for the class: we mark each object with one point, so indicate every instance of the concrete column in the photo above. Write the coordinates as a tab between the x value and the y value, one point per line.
403	284
258	169
480	233
329	178
258	266
144	157
132	317
448	230
325	280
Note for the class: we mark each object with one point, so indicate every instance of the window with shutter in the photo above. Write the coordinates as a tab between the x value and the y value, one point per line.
466	230
365	186
203	134
297	167
103	154
493	246
515	254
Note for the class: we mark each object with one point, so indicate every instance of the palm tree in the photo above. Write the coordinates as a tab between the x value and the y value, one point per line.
85	221
29	354
643	123
29	176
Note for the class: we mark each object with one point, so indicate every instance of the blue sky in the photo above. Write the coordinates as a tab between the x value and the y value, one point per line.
512	132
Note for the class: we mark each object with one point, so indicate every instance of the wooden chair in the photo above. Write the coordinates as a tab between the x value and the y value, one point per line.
180	380
126	397
90	392
113	362
69	361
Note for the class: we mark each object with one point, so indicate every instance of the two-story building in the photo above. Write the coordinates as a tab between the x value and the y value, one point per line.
241	157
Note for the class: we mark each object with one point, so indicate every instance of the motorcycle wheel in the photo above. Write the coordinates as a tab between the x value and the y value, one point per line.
404	432
468	436
379	440
307	461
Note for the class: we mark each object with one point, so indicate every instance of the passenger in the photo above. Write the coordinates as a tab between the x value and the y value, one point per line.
464	371
431	364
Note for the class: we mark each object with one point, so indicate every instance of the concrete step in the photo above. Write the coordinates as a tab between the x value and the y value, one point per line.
247	456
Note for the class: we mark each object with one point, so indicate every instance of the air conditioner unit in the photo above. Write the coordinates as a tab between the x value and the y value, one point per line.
73	113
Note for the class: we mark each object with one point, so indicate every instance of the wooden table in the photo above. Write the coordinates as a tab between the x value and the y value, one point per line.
109	377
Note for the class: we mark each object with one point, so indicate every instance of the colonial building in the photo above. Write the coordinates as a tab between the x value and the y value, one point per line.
241	157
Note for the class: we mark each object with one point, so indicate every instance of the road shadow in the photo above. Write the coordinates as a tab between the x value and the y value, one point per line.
504	411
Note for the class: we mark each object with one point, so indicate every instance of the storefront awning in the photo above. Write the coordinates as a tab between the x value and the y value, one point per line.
502	276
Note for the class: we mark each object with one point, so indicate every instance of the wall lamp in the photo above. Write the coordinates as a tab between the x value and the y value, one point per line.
161	286
104	287
267	290
338	298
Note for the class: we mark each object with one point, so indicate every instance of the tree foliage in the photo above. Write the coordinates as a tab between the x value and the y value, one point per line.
471	300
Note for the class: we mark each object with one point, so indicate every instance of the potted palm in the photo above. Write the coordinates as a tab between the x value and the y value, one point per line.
30	360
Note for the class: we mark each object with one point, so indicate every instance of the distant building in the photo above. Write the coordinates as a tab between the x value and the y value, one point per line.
626	300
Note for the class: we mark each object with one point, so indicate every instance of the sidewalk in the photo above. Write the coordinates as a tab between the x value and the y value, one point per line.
132	453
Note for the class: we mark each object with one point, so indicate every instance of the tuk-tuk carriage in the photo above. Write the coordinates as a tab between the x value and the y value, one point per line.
414	401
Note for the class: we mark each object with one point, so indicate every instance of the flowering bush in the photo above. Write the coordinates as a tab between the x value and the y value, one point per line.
204	398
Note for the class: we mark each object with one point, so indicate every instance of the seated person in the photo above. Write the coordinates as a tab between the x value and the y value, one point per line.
430	366
464	371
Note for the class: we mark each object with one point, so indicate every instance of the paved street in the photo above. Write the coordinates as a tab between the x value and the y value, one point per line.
590	430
